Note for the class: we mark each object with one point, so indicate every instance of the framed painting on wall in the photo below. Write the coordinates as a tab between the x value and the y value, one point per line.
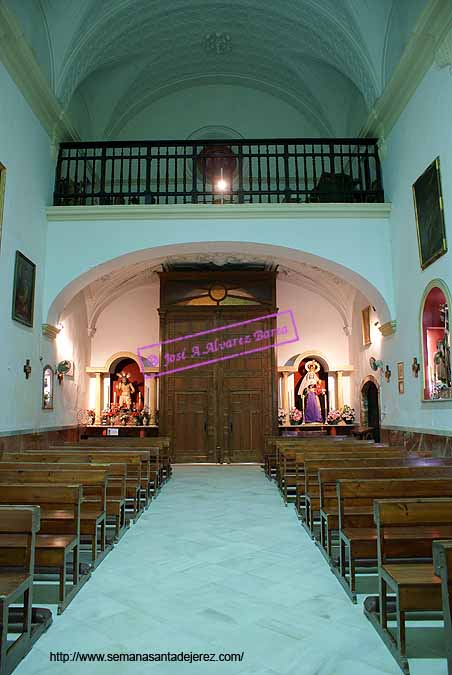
401	377
2	197
365	324
428	206
23	290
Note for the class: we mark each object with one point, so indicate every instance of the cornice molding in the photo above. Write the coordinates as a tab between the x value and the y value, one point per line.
217	211
50	331
22	66
388	329
419	55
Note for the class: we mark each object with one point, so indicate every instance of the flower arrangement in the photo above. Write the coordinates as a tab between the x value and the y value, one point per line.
333	417
281	416
438	388
295	416
348	414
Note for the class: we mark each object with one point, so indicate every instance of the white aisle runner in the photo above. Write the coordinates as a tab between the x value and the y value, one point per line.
217	565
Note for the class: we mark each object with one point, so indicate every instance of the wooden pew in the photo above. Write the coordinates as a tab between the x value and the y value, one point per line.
347	452
357	532
310	488
290	467
137	479
16	580
117	477
442	560
414	584
163	443
328	475
138	498
94	482
59	535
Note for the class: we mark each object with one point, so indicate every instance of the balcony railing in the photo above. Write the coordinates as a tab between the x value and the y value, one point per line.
239	171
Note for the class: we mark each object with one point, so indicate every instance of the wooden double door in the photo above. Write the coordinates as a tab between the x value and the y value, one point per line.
218	411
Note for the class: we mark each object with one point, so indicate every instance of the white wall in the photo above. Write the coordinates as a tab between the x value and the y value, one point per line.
25	151
131	321
319	325
360	254
360	354
423	132
251	112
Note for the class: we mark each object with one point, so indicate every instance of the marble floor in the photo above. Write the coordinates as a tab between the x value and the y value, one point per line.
218	564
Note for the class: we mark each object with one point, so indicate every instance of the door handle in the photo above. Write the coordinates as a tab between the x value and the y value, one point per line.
205	425
230	426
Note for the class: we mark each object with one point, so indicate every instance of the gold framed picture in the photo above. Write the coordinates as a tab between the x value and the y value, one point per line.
401	377
365	323
429	210
24	290
2	197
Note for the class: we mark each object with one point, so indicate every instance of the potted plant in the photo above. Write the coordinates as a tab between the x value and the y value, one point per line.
348	414
333	417
281	416
295	416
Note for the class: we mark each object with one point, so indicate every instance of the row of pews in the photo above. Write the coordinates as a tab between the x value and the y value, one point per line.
62	510
380	514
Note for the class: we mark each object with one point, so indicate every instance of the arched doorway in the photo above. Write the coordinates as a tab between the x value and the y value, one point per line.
370	407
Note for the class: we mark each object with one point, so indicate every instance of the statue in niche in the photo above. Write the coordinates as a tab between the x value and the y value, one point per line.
442	357
309	385
125	389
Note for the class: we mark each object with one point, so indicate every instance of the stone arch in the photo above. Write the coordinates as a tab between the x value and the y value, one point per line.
113	360
295	361
442	285
63	284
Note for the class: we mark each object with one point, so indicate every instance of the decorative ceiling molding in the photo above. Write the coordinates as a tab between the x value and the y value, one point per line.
123	32
444	52
218	211
102	292
21	64
218	43
429	33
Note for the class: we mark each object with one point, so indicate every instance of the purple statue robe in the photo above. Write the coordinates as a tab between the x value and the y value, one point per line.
312	412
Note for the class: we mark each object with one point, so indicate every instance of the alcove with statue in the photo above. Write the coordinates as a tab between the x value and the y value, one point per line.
435	327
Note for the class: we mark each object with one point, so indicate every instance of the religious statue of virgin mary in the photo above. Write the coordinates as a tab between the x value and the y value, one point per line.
312	410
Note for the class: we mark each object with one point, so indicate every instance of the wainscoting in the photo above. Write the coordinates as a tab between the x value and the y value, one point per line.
22	440
440	444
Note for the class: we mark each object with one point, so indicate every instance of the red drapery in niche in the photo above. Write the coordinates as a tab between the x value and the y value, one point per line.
132	369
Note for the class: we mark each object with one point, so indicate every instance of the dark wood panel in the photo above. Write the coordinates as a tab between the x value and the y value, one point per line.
222	411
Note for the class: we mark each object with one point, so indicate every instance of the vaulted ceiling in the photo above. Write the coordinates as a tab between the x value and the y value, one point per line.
106	289
109	60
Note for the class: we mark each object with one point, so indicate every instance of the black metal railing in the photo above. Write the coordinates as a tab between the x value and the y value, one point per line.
239	171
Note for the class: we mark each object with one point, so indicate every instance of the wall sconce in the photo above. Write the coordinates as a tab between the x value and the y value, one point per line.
388	374
27	369
375	364
62	369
